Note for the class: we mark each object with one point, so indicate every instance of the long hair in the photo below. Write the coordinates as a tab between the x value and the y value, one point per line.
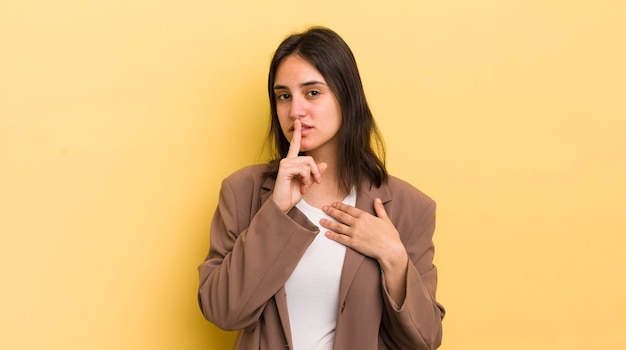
361	148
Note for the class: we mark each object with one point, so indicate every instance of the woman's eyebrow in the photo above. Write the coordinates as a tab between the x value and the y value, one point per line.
313	82
308	83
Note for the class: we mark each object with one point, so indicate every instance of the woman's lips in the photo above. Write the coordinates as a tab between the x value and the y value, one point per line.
304	128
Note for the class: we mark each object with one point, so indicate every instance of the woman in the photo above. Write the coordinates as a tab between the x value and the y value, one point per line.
321	248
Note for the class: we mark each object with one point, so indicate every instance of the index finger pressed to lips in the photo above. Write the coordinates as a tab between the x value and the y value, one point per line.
294	146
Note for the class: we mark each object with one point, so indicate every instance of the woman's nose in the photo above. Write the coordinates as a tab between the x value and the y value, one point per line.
297	109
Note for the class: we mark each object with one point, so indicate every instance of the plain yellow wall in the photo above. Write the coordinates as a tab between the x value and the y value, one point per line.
119	118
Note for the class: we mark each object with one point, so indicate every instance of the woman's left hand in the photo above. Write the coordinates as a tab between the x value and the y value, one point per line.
373	236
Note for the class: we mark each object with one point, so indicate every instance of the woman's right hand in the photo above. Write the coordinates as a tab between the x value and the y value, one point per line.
295	173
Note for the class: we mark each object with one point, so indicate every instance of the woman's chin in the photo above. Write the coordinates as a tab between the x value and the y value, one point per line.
305	148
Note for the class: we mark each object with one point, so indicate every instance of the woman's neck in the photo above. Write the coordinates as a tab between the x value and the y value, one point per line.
329	190
319	195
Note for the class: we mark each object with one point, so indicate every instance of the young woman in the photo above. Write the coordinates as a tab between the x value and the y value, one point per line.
321	248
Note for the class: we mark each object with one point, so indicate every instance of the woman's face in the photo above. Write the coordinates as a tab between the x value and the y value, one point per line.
302	93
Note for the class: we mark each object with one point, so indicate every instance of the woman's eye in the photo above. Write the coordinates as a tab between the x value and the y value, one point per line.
313	93
283	97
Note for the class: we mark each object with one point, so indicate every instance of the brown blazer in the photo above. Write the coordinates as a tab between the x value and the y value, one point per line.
255	247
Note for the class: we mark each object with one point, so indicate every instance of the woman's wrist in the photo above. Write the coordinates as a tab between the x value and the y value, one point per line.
395	260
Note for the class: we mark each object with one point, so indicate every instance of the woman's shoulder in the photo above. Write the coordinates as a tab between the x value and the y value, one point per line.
248	175
406	192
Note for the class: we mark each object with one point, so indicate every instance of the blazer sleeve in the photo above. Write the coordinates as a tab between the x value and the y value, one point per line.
252	253
416	324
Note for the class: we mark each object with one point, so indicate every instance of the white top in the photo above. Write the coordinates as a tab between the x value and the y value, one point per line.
313	287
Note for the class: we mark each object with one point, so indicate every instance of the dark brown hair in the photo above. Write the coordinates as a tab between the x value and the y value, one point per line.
361	148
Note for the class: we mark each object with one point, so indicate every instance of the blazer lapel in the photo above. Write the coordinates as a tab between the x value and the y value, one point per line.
364	201
268	187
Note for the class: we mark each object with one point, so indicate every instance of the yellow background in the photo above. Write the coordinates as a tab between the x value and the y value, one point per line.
119	118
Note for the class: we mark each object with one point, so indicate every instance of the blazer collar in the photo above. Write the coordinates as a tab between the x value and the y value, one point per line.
364	198
268	187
